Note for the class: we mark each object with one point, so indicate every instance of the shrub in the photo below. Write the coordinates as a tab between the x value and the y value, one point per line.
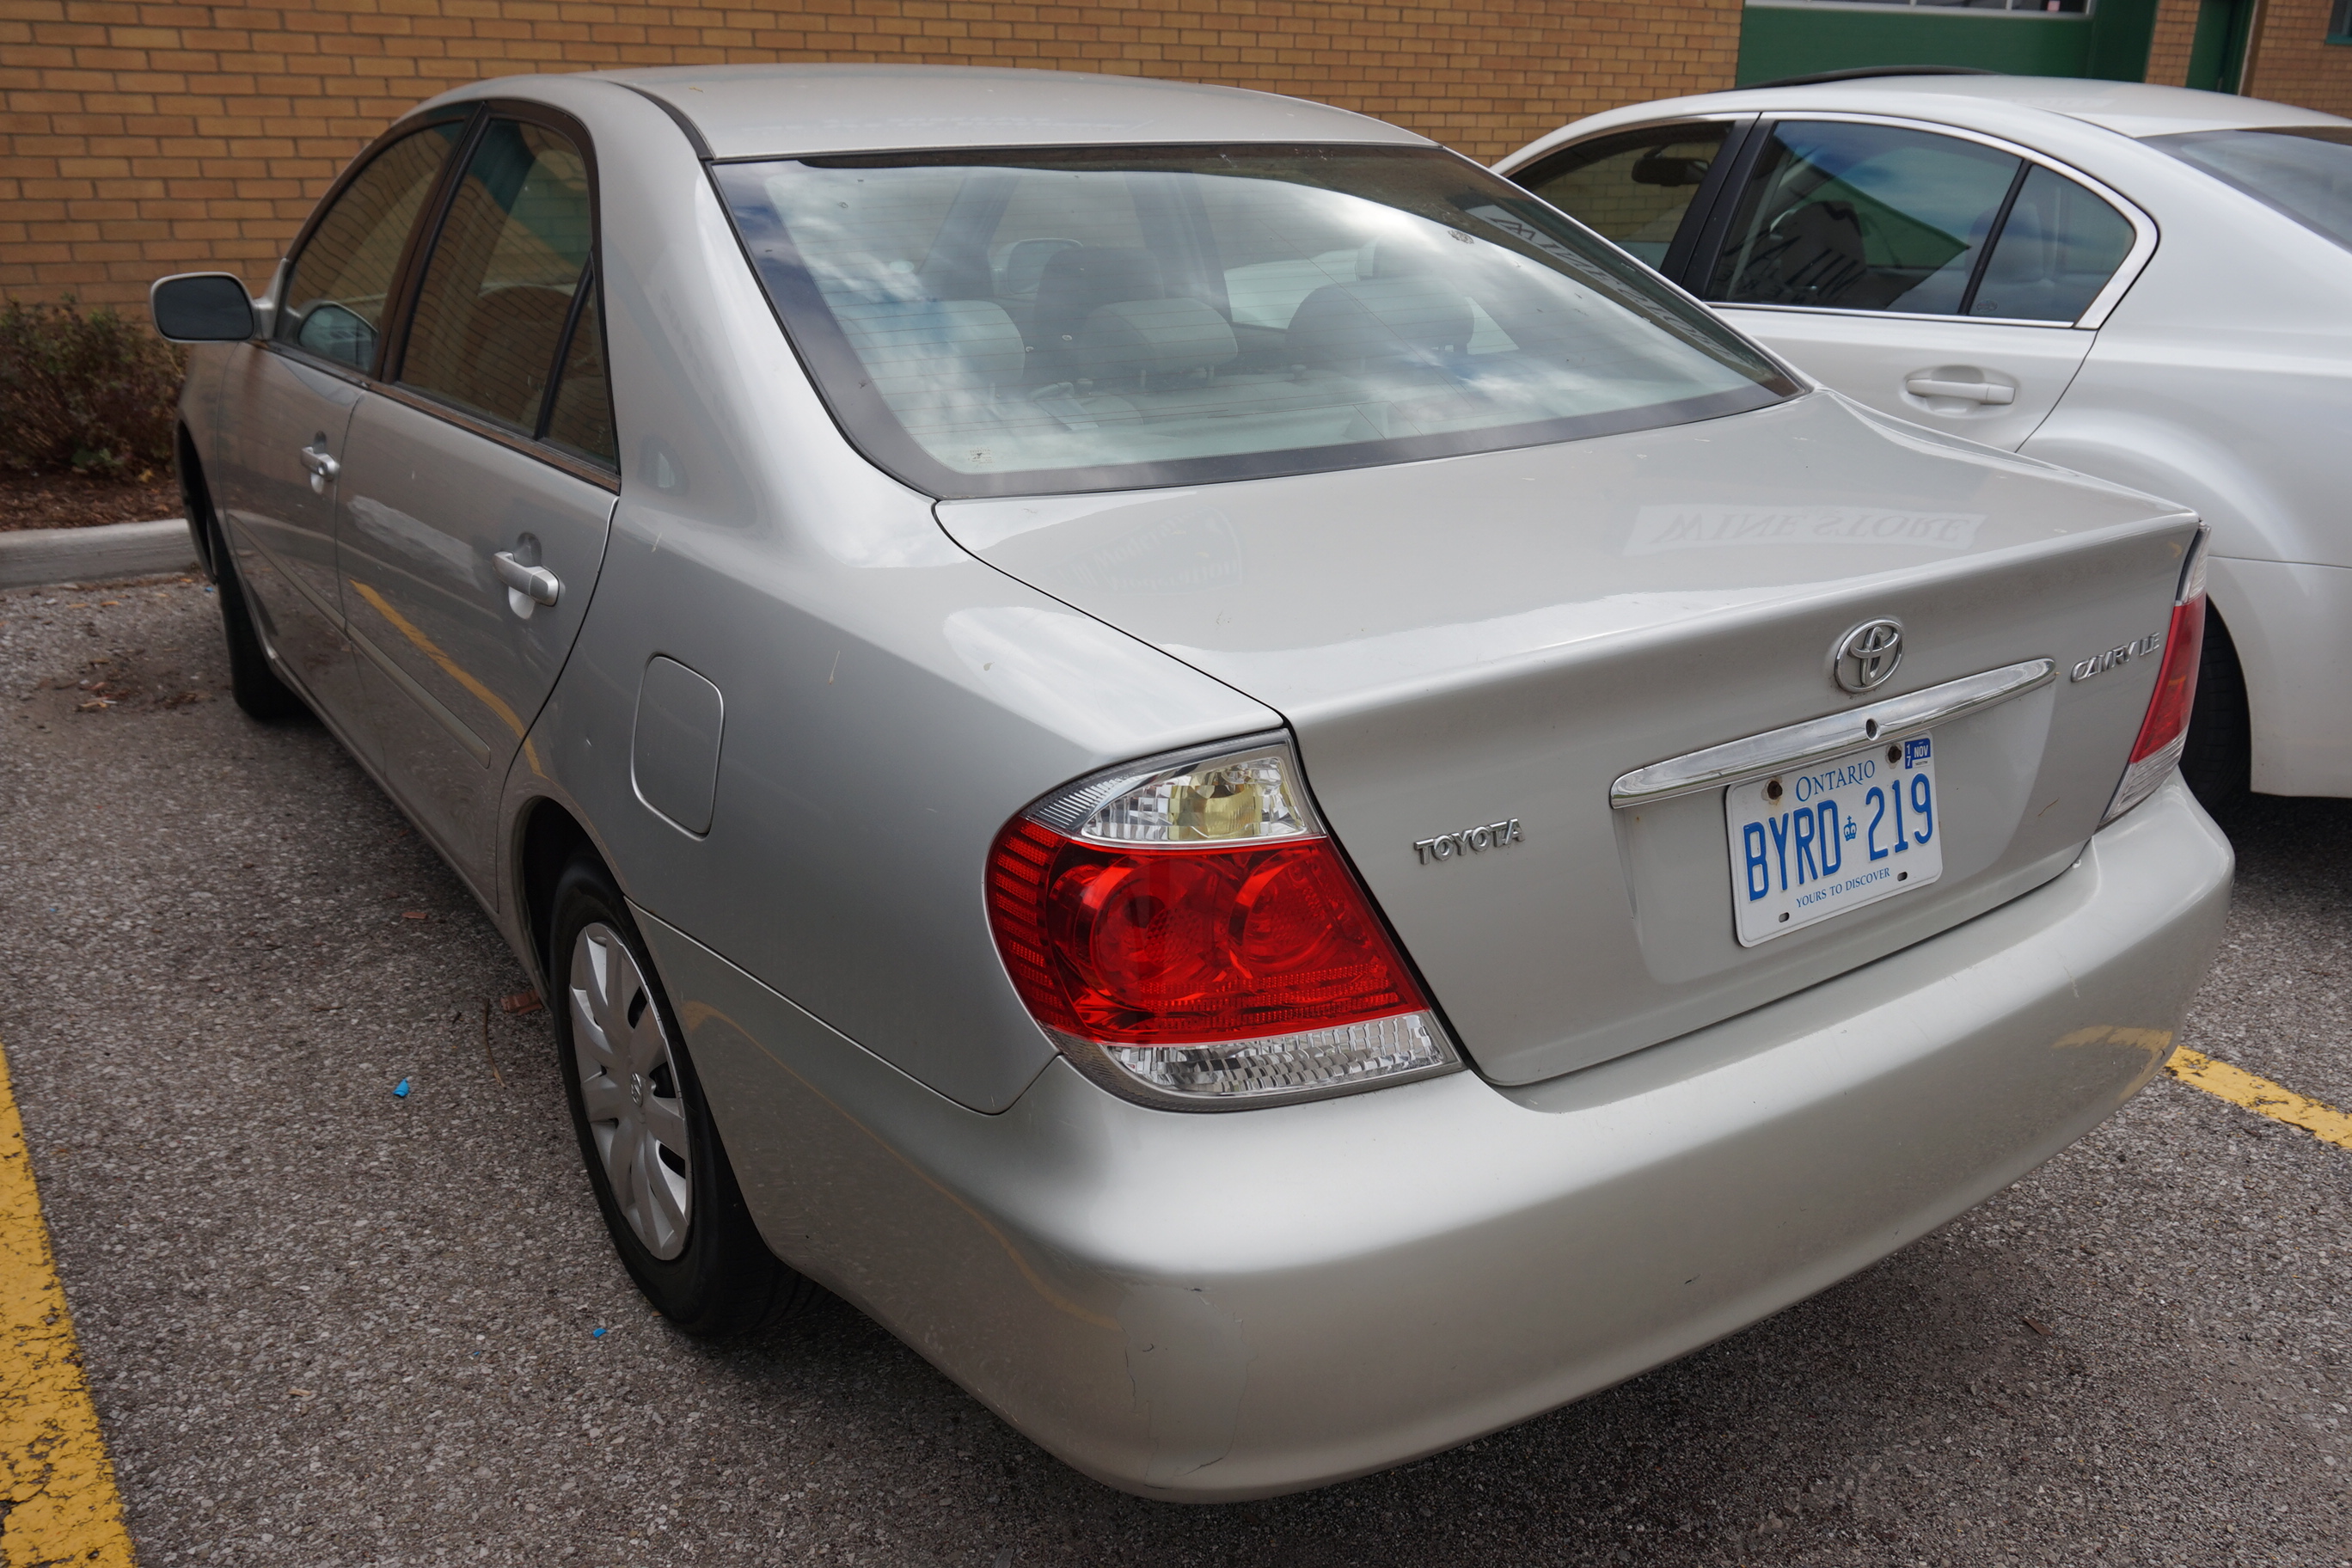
86	391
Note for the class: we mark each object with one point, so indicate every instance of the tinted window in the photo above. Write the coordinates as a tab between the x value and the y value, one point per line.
2305	173
1003	323
1633	188
1862	217
334	300
581	422
498	289
2058	247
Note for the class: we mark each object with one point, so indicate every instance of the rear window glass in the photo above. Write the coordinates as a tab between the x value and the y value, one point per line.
1002	323
2305	172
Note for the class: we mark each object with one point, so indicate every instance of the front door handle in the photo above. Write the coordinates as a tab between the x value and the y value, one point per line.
536	584
323	468
1974	391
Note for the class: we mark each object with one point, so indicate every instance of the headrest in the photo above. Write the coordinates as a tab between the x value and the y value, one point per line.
1378	318
1076	283
1158	337
914	346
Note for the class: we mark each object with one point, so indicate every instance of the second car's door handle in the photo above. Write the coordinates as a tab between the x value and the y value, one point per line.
533	583
1974	391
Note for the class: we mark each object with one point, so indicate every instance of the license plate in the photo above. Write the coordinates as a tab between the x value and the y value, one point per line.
1810	844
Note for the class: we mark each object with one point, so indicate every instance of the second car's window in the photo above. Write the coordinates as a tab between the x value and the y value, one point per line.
2058	247
1862	217
335	298
499	289
1633	188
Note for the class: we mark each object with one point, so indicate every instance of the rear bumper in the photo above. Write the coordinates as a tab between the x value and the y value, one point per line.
1209	1308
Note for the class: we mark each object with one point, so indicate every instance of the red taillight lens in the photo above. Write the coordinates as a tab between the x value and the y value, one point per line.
2176	682
2163	730
1193	944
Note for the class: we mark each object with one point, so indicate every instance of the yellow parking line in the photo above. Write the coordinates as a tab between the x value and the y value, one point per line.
61	1505
2239	1087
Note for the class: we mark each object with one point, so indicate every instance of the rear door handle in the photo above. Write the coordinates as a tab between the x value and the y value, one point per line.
323	468
536	584
1974	391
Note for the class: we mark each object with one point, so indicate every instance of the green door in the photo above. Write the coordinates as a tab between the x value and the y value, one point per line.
2218	52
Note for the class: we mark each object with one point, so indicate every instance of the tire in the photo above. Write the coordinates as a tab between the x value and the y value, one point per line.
676	1215
253	680
2217	759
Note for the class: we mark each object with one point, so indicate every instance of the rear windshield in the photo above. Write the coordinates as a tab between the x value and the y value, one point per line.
2304	172
1024	322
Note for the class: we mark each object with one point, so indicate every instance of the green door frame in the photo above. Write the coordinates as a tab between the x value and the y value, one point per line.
2111	43
2217	52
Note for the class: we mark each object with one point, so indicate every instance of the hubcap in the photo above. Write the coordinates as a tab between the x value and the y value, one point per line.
629	1088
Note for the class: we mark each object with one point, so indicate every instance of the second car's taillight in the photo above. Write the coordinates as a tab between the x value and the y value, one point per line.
2164	731
1191	937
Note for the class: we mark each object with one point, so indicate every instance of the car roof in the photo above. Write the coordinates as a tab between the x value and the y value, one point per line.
766	110
2009	104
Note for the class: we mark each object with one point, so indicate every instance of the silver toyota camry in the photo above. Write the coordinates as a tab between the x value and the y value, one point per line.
1275	802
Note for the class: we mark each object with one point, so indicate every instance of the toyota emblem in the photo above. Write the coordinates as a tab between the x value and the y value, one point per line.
1863	658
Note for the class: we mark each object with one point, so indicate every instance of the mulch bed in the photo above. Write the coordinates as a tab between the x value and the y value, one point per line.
69	501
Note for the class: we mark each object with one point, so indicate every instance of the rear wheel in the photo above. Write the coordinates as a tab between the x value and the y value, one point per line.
252	681
2217	756
662	1180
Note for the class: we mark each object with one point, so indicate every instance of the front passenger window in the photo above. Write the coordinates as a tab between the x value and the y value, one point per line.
499	289
1862	217
334	298
1633	188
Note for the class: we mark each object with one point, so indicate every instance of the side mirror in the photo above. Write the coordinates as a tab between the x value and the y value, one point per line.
201	308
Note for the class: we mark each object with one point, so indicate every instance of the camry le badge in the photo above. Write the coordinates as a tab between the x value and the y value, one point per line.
2100	663
1866	656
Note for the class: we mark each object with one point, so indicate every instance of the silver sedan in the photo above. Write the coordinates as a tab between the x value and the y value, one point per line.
960	620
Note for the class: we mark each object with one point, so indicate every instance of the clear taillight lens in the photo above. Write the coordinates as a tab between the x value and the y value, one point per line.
2164	731
1191	937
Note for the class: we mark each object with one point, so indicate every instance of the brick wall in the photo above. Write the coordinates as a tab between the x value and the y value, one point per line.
2168	52
2290	62
2294	64
140	139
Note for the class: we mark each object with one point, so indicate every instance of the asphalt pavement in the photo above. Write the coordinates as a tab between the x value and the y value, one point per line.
325	1324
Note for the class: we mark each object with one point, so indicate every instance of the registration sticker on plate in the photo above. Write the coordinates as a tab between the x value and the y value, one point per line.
1808	844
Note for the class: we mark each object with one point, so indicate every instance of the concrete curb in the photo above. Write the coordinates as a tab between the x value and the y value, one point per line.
37	557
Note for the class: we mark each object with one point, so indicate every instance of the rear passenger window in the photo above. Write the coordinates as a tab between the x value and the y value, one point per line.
334	298
1862	217
498	293
1634	188
581	422
2057	250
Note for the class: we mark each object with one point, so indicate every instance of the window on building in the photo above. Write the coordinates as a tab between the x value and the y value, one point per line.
2339	23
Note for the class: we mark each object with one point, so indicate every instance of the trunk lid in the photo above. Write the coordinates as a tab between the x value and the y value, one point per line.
1499	637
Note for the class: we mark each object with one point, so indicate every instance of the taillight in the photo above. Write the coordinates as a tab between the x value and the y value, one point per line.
1190	936
2165	730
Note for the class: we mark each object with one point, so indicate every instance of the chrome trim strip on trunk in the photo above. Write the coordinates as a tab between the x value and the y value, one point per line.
1817	740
